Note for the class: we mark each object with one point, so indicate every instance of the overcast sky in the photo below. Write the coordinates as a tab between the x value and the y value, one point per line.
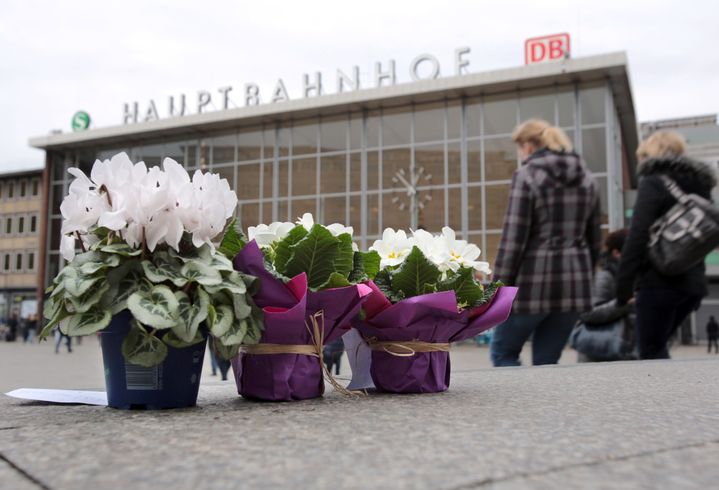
58	57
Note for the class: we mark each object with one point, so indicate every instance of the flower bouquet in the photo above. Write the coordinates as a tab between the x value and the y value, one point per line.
425	296
149	278
308	293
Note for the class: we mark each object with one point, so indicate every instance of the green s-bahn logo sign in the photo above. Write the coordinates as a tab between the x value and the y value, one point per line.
80	121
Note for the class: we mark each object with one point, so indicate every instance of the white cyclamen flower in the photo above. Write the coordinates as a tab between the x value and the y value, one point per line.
393	248
67	247
462	254
266	235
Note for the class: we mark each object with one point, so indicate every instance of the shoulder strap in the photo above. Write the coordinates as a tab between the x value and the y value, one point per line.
673	188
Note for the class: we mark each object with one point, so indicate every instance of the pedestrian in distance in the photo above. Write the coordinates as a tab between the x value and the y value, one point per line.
59	336
713	335
662	302
549	247
332	355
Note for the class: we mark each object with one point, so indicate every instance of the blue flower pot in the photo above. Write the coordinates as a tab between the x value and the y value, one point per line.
172	384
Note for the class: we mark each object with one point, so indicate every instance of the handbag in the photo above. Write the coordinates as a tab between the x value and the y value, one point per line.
602	342
684	236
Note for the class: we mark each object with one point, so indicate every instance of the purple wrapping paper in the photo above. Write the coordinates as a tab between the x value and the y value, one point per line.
427	318
286	377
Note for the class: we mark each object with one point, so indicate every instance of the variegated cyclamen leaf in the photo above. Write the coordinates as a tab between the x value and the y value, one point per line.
254	329
121	249
236	333
124	280
76	283
163	268
222	263
143	349
224	351
232	283
156	308
188	318
90	299
88	323
59	315
171	339
219	319
196	271
108	261
242	309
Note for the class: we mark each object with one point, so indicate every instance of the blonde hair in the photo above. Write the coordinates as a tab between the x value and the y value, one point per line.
542	134
662	144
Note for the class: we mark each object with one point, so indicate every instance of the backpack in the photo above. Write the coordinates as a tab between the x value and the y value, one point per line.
685	235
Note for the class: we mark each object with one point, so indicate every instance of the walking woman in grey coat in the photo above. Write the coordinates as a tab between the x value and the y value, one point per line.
549	247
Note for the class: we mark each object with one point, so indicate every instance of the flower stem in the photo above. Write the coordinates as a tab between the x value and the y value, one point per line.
82	245
107	193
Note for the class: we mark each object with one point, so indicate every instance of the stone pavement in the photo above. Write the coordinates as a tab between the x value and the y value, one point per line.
652	424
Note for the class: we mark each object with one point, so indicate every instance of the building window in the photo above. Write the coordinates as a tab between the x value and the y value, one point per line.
31	261
8	225
35	187
21	225
33	223
23	188
10	189
2	190
6	262
18	262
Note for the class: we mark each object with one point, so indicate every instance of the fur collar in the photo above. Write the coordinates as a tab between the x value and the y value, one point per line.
679	165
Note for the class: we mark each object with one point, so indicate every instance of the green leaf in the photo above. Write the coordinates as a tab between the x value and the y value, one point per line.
88	323
190	315
236	333
336	280
233	283
143	349
163	268
468	291
233	241
219	319
222	263
224	351
157	308
254	327
108	261
60	315
489	291
124	280
416	271
365	266
283	249
76	283
196	271
90	299
174	341
345	255
315	255
87	257
241	308
122	249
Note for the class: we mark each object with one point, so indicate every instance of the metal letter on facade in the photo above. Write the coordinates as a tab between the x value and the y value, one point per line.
352	83
203	100
307	87
418	61
459	62
171	105
129	115
151	113
279	94
225	91
252	94
380	75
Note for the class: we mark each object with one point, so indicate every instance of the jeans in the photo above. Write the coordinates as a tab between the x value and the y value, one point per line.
549	332
660	311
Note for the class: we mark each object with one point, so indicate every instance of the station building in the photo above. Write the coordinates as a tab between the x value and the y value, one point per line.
427	153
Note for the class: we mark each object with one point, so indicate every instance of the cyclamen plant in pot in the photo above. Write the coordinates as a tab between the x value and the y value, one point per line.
309	293
425	296
150	279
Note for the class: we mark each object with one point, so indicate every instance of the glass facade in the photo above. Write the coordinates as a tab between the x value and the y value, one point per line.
448	162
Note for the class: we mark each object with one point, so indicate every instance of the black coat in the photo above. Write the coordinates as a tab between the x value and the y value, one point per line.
653	201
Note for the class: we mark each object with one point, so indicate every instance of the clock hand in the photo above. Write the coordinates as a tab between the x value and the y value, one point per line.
410	189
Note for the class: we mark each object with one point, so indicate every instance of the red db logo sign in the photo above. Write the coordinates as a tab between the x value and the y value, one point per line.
546	48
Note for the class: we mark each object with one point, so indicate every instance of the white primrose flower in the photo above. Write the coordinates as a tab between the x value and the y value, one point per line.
307	221
393	248
266	235
461	253
433	247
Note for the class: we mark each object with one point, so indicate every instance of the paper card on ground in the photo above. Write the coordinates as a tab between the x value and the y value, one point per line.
359	356
61	396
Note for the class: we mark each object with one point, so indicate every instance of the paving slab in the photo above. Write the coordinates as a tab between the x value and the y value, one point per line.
635	425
